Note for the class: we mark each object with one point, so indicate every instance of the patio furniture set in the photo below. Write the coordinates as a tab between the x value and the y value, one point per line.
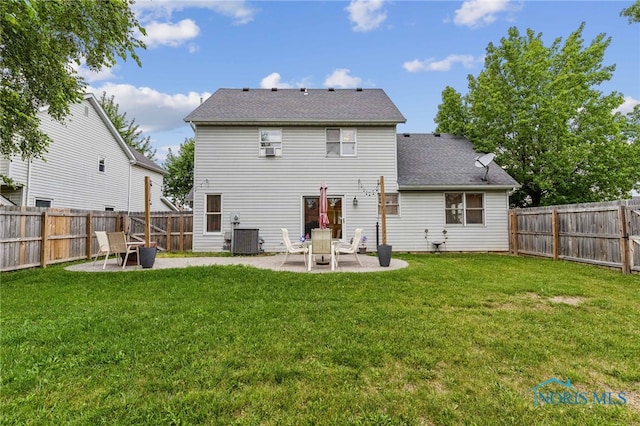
320	244
116	243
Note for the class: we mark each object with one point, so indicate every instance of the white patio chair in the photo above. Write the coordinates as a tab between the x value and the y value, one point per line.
293	248
118	244
348	248
103	247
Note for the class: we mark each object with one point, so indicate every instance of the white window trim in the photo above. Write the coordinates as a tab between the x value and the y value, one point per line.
342	154
102	159
464	209
262	145
36	199
204	227
386	212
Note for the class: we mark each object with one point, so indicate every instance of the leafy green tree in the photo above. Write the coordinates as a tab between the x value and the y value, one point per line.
39	39
129	130
539	109
179	178
632	12
452	114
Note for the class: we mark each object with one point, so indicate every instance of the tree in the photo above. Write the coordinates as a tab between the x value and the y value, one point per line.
39	40
451	117
632	12
128	130
539	109
179	178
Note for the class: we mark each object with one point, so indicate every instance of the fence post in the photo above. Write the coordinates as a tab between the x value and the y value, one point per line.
44	247
23	232
89	234
181	231
514	232
168	231
624	240
556	234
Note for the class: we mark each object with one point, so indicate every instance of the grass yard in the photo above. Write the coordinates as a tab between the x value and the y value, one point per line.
452	339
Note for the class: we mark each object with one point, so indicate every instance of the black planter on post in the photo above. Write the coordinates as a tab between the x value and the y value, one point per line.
384	255
147	256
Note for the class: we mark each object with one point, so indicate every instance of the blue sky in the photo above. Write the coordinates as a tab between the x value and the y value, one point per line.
411	49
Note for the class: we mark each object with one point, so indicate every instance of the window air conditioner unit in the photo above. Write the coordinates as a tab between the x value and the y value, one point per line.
270	152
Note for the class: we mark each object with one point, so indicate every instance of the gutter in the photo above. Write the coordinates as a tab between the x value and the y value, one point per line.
131	163
456	187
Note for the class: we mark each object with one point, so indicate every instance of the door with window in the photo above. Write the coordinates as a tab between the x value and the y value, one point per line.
312	215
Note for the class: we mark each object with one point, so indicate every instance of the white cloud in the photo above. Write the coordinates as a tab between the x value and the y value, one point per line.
163	151
148	10
443	65
627	105
156	18
106	73
341	79
170	34
478	13
366	15
273	80
153	111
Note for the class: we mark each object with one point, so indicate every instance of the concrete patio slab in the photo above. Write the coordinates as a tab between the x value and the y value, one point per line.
294	264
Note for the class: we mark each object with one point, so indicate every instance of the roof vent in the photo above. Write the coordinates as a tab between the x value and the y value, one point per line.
359	89
406	135
437	135
245	89
274	89
302	89
331	89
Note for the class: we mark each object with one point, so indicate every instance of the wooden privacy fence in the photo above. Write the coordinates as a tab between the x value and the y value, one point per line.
34	236
606	234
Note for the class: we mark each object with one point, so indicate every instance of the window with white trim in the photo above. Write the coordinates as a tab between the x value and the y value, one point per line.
464	208
341	142
213	213
44	202
270	141
391	205
102	164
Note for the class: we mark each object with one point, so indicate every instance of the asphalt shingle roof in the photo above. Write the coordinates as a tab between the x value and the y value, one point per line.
444	160
143	161
365	106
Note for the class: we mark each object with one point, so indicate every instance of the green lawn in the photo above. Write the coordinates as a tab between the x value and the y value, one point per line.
452	339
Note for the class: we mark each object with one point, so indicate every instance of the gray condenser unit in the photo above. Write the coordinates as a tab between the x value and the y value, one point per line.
245	241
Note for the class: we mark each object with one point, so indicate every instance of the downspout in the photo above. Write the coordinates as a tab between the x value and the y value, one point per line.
27	193
131	163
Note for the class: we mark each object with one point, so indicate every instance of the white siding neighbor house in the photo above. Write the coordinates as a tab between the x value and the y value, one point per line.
88	166
262	155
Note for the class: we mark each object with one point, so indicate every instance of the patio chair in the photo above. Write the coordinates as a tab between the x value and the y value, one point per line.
293	248
103	247
118	245
348	248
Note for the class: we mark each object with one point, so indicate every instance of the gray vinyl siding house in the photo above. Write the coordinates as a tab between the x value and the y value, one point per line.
88	166
262	155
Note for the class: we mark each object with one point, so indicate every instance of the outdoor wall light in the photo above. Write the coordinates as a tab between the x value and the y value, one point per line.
355	201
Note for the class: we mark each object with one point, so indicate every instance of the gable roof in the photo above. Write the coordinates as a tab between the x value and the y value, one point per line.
297	106
444	161
135	156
